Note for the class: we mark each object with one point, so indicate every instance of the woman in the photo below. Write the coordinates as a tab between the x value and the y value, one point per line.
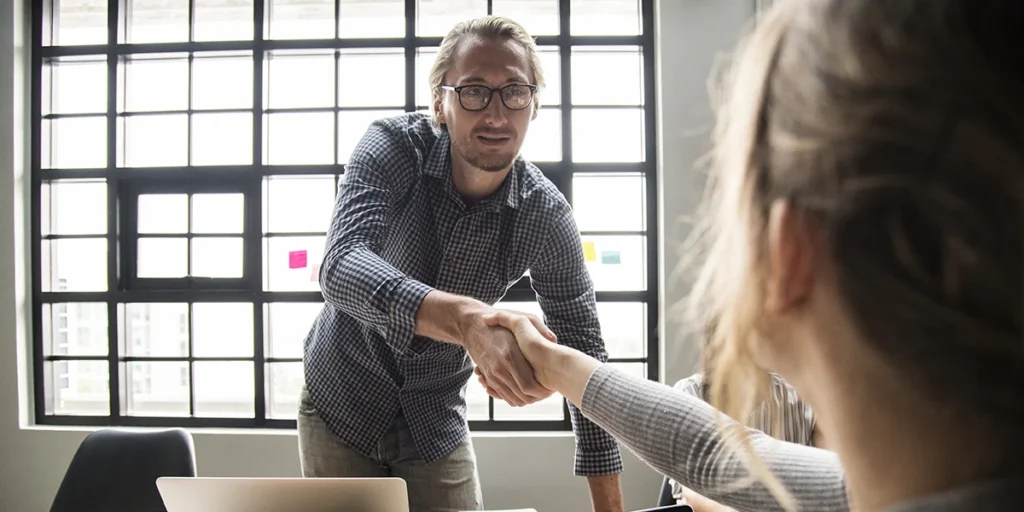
866	216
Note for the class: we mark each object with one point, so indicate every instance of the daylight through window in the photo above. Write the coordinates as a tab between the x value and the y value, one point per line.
186	158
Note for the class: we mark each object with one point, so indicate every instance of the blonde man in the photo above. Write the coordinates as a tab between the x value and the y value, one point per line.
437	215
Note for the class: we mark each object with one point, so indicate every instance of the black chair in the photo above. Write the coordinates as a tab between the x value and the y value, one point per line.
116	471
665	497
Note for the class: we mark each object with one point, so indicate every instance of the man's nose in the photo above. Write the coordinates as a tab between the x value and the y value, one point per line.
496	112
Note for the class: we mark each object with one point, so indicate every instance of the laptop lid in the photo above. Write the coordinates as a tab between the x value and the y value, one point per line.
185	494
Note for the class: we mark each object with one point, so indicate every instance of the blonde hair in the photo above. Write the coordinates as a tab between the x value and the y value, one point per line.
898	127
490	27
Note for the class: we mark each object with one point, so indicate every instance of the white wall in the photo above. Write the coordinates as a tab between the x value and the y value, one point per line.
690	34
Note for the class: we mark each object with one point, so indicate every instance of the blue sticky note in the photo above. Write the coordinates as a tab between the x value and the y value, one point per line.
610	257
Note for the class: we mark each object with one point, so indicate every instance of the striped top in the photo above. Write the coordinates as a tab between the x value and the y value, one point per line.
677	434
795	420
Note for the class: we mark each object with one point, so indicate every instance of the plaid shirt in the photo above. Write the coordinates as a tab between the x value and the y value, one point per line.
400	230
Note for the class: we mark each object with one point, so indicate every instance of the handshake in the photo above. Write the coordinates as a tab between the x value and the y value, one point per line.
513	353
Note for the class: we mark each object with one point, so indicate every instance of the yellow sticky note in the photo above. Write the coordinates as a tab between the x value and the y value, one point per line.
589	253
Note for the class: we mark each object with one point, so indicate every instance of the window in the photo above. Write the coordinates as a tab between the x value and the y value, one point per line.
185	168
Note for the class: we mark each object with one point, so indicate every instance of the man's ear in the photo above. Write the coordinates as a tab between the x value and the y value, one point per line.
536	112
438	110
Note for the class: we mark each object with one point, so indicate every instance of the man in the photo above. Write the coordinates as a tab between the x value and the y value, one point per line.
436	216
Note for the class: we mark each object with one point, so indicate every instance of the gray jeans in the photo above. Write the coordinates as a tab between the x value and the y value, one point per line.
451	484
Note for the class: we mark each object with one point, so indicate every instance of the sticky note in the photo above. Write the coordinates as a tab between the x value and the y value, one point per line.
297	259
589	253
610	257
314	275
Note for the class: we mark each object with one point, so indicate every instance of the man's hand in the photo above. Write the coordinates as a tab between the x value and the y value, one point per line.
539	349
499	361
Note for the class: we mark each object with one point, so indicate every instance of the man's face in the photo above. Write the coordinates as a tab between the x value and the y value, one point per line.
488	139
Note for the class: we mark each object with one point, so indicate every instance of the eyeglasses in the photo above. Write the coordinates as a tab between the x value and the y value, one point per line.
478	97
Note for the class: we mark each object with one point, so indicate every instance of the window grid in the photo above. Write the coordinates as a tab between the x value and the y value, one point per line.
123	185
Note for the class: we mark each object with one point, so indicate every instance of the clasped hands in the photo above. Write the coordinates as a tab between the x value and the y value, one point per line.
509	348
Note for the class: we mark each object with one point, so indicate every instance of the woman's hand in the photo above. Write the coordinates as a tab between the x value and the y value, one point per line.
536	345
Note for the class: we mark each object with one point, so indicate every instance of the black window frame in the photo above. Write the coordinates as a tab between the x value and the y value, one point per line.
124	184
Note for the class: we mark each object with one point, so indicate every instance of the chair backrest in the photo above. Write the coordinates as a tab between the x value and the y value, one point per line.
116	471
665	497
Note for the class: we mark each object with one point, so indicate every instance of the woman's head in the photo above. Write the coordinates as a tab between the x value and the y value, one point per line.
869	164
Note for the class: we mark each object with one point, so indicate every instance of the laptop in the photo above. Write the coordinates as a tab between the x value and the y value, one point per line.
188	494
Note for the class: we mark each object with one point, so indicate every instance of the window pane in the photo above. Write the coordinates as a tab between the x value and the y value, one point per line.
424	61
476	400
162	258
74	207
300	138
155	83
77	388
548	409
155	330
288	323
301	19
217	257
300	79
163	213
222	329
352	125
222	139
157	388
159	140
638	370
224	389
298	204
593	85
75	329
77	22
223	20
551	61
292	263
438	17
543	142
604	17
594	141
74	265
284	382
371	78
75	85
222	80
538	17
218	213
380	18
616	263
609	202
74	143
157	21
623	325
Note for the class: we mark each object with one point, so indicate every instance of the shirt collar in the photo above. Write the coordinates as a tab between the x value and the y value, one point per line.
438	165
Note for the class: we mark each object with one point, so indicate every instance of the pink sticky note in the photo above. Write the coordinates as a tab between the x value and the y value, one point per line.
297	259
314	275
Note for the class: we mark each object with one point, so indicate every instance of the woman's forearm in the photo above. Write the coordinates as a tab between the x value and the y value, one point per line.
563	370
677	434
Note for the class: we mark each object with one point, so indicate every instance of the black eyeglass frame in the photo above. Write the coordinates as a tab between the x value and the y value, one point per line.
458	92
